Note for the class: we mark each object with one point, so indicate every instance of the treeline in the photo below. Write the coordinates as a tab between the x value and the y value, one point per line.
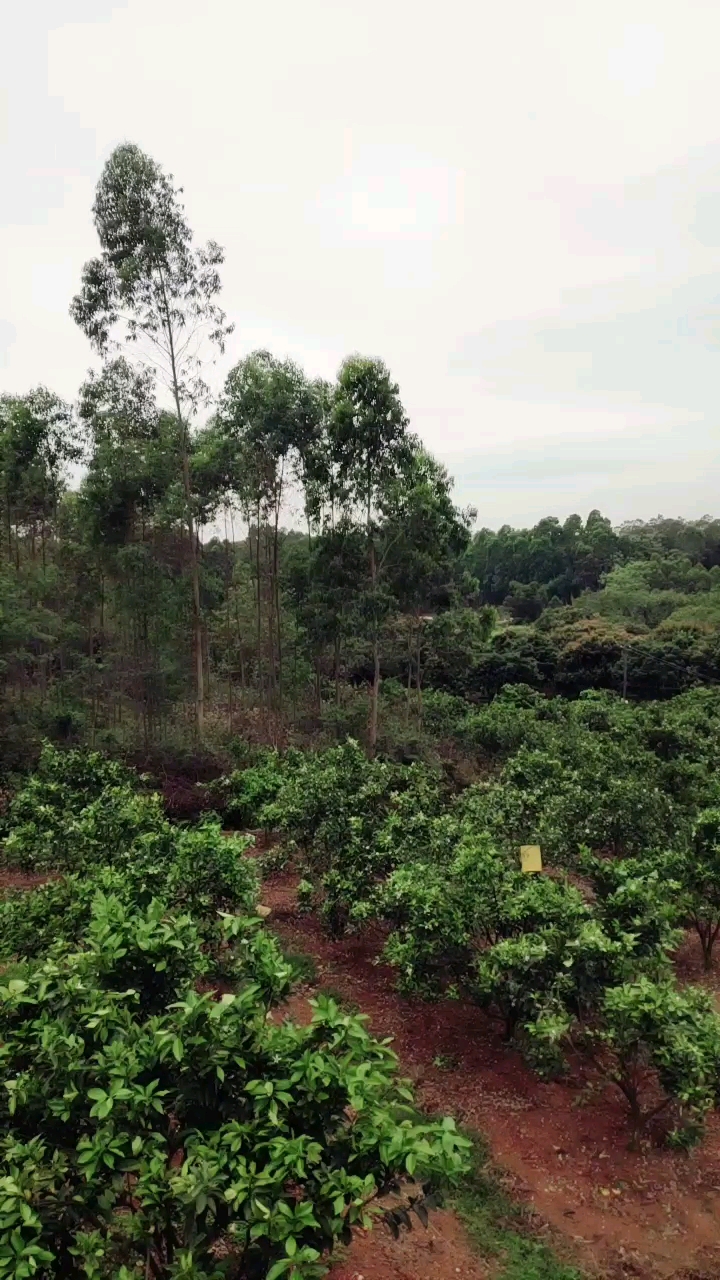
261	562
554	562
99	634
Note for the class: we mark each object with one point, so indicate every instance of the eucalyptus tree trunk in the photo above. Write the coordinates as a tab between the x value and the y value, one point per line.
259	604
375	691
276	593
192	557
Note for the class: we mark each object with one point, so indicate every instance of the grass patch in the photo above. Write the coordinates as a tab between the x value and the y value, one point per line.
502	1230
446	1062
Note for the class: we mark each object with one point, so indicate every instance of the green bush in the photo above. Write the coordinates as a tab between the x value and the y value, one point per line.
649	1038
245	793
144	1124
67	832
195	870
444	917
697	869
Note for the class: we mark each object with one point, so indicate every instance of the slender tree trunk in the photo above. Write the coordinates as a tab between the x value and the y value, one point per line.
272	668
276	589
228	623
708	933
294	682
259	604
194	566
194	575
374	697
409	679
318	687
418	674
240	642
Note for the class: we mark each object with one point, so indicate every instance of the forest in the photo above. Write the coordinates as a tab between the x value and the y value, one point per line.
253	654
246	563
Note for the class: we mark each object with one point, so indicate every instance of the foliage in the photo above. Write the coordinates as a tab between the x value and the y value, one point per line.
88	813
354	820
697	868
649	1038
638	898
444	916
145	1122
196	870
245	793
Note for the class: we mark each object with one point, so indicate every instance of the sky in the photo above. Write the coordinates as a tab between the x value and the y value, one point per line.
516	206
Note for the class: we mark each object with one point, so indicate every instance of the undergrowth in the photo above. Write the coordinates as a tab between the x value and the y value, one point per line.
500	1229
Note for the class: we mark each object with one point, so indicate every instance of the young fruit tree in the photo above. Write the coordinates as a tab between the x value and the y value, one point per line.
658	1045
698	870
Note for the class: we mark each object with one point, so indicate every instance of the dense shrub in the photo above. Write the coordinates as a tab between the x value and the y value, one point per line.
444	915
696	866
143	1123
197	870
53	829
244	793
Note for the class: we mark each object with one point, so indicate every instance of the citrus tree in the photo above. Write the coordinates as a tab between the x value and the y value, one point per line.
697	867
658	1045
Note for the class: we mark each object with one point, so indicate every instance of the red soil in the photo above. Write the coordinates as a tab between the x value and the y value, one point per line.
23	879
652	1213
442	1252
689	964
184	798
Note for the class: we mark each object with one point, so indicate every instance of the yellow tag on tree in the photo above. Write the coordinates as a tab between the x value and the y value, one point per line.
530	857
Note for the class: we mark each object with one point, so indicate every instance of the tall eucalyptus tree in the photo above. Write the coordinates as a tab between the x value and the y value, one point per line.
372	447
152	292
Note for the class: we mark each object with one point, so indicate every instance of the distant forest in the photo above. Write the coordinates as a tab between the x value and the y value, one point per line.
285	560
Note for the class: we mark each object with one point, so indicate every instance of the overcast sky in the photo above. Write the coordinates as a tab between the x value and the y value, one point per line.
516	205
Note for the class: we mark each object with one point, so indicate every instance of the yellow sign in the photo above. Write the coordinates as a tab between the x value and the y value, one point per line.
530	857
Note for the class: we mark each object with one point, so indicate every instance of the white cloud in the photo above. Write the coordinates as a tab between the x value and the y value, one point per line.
52	284
635	63
515	205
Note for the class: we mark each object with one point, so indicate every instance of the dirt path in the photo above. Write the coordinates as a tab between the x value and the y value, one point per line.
442	1252
652	1214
